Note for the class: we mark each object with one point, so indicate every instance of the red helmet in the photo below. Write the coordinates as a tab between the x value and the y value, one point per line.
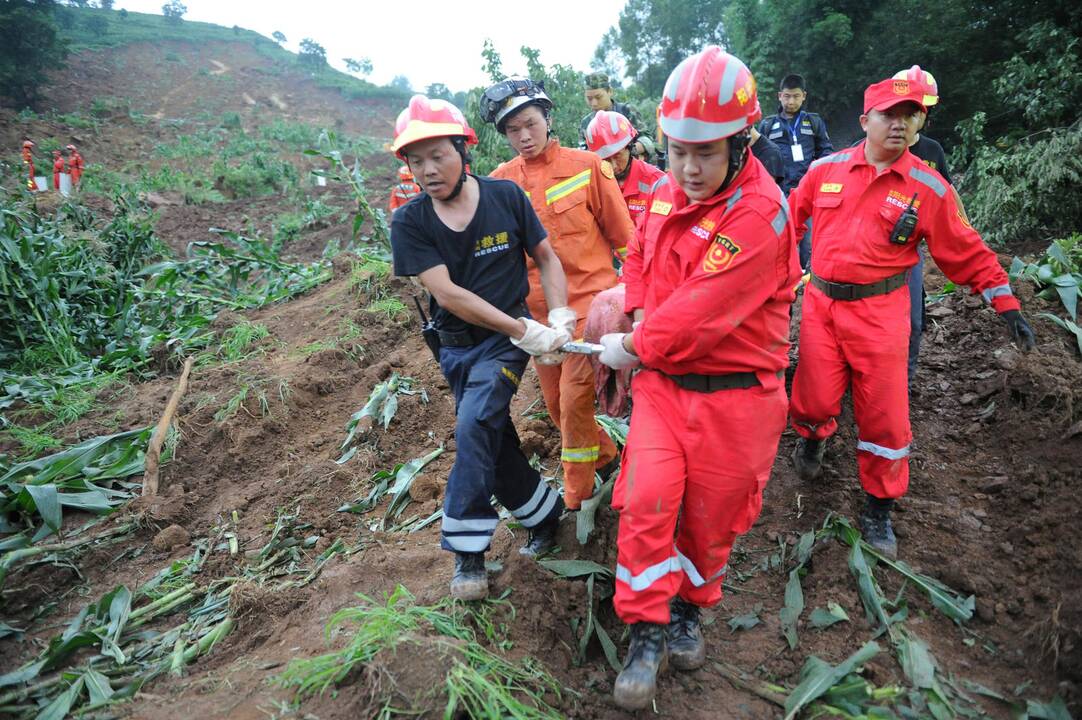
28	143
404	174
923	80
608	133
709	96
426	118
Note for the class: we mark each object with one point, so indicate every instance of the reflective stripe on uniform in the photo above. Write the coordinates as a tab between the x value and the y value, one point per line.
565	187
839	157
583	454
997	291
452	525
927	178
644	188
468	543
883	452
663	180
733	200
537	507
650	575
693	573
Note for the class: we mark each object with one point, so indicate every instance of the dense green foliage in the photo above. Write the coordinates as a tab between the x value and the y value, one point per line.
30	44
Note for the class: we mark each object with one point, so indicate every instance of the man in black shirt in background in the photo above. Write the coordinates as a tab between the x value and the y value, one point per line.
466	239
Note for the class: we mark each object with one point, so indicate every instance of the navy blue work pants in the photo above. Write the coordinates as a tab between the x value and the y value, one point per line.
488	460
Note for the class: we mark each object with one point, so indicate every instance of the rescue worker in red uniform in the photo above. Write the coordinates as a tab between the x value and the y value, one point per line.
28	163
711	275
58	169
609	135
575	195
871	205
406	189
75	164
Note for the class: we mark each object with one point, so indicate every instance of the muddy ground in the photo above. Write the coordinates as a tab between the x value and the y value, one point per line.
992	510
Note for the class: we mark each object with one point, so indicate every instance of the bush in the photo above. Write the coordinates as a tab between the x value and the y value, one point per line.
259	175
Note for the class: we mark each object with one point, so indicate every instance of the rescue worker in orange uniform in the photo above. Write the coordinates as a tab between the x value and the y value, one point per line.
75	164
871	205
711	276
28	163
406	189
609	135
576	196
58	169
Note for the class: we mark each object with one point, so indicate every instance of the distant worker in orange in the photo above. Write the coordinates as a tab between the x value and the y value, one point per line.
58	169
75	164
28	162
610	135
406	189
576	196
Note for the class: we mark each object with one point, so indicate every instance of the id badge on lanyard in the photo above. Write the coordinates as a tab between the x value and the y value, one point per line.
796	147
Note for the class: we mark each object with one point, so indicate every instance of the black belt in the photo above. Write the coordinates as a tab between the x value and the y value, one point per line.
475	334
714	383
850	291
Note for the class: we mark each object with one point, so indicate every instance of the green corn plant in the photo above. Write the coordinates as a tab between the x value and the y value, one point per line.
329	147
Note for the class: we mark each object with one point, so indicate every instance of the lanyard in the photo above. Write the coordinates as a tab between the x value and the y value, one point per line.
794	127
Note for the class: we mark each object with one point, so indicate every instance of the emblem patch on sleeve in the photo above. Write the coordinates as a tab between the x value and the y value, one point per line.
606	169
721	254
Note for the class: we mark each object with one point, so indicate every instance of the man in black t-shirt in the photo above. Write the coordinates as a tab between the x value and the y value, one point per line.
466	239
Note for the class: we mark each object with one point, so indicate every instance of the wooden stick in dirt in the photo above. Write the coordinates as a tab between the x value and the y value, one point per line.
751	684
154	452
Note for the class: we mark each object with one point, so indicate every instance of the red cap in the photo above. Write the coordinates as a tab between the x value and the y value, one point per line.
885	94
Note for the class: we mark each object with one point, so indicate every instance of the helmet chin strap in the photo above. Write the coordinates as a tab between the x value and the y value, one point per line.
738	155
460	145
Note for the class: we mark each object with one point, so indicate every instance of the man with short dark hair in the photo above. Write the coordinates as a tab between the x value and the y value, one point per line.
800	136
599	97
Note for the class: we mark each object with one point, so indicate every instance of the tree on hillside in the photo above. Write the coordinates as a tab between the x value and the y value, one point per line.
654	35
105	4
29	45
360	67
312	55
279	37
174	10
439	90
402	83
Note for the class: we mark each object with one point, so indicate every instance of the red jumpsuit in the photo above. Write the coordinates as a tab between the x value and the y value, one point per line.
854	209
715	280
58	169
636	187
401	194
75	163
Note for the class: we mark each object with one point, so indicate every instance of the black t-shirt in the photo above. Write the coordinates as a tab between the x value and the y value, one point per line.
931	152
488	258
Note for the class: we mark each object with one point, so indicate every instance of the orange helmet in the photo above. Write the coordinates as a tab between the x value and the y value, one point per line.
608	133
923	80
426	118
404	174
709	96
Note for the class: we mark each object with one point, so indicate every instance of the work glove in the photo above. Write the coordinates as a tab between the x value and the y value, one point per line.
614	354
1021	332
540	339
561	318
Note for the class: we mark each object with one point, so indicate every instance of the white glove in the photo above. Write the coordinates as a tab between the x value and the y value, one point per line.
564	318
540	339
614	354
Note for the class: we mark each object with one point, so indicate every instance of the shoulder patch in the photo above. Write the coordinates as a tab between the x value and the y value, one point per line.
660	207
606	169
721	254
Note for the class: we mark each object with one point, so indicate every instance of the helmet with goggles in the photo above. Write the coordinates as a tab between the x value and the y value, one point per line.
504	99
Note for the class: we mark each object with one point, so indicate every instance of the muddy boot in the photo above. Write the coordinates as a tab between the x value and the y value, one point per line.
470	582
876	528
542	538
647	657
808	458
687	650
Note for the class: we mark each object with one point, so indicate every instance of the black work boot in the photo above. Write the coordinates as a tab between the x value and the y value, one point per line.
470	582
687	650
876	528
647	657
542	538
808	458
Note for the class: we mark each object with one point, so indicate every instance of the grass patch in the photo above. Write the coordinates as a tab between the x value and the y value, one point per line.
390	308
462	676
257	392
236	344
33	441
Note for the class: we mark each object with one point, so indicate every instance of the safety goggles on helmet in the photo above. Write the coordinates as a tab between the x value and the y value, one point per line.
503	98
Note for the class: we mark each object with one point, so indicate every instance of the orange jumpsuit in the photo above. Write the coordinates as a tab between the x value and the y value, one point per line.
401	194
28	161
576	196
58	169
637	186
